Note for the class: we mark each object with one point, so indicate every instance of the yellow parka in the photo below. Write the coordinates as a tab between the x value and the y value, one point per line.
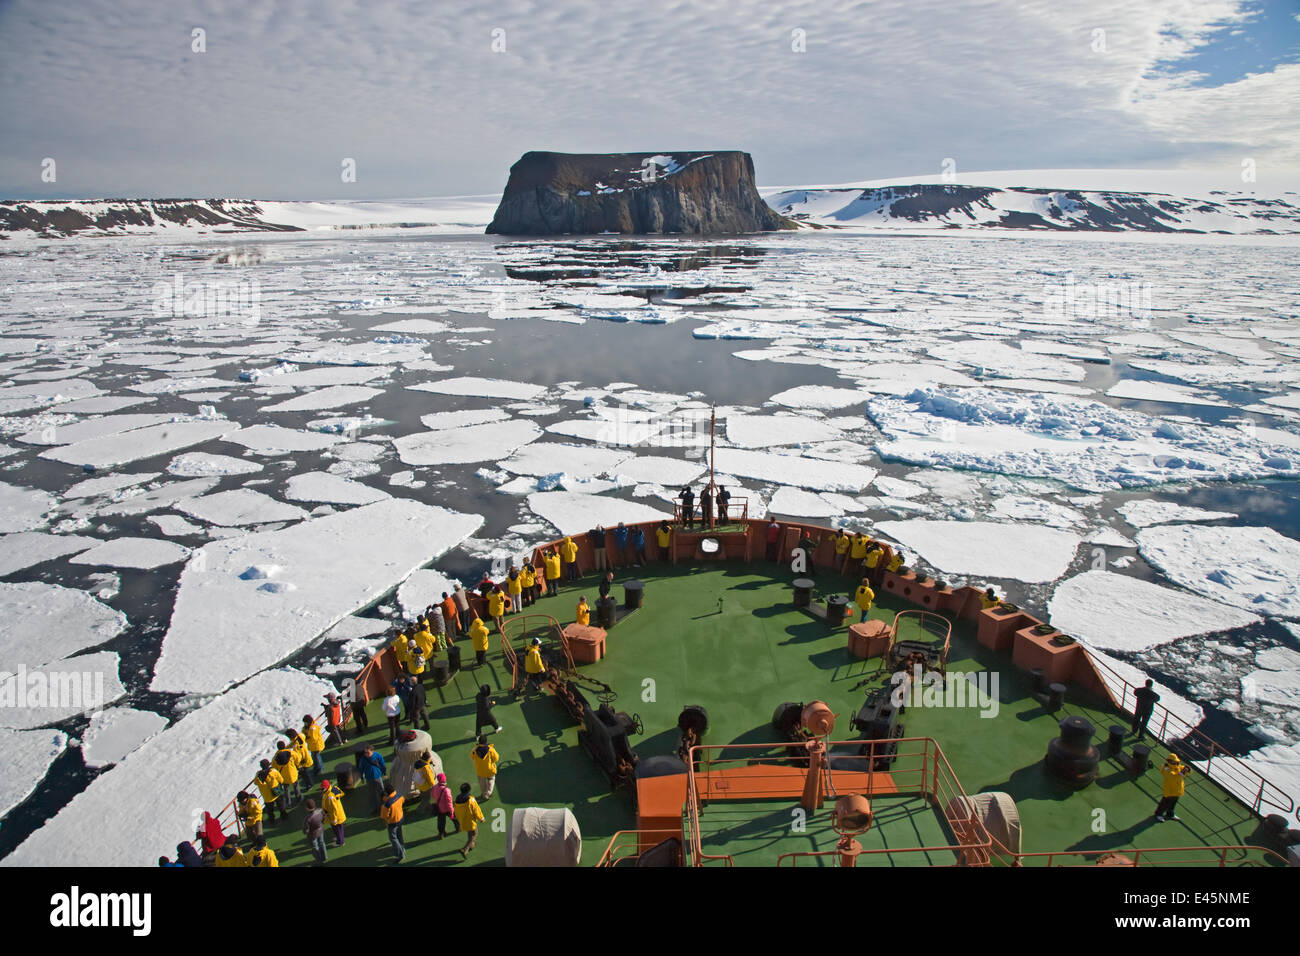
552	562
332	804
468	814
528	578
263	857
486	765
533	661
895	563
425	641
266	786
315	739
424	779
478	632
285	763
663	536
873	557
864	597
514	585
569	551
236	859
251	811
302	751
859	547
497	604
1174	782
842	544
584	614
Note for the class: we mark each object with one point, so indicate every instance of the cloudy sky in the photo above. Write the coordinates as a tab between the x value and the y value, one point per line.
439	97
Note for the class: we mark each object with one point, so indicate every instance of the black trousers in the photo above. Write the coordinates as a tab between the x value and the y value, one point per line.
1165	808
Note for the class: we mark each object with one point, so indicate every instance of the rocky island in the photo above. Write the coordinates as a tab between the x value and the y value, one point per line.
633	193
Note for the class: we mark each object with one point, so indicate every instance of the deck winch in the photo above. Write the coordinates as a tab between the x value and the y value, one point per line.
1072	756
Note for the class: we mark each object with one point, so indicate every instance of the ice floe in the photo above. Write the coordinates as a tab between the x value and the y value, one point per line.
812	473
22	509
333	396
1146	512
200	465
126	552
321	486
40	623
24	549
481	388
1257	569
764	431
330	567
424	587
574	512
821	397
275	440
36	696
1026	553
116	732
202	760
1120	613
446	446
140	443
27	755
239	507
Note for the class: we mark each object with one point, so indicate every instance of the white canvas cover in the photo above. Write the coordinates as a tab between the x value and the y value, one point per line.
998	812
540	837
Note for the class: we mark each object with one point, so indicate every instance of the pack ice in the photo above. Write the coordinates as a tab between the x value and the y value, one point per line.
245	603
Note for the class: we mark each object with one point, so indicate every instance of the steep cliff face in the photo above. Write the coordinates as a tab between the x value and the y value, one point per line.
633	193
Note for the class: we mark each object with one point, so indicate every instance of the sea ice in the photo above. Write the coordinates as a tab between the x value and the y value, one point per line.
804	504
424	587
27	755
811	473
239	507
1146	512
141	553
579	461
337	565
22	509
199	464
574	513
24	549
42	622
447	446
821	397
1252	568
481	388
668	471
66	688
333	396
274	440
202	760
93	487
116	732
1019	552
438	421
764	431
320	486
141	443
1120	613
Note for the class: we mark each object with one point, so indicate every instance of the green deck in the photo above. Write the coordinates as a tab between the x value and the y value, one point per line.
729	639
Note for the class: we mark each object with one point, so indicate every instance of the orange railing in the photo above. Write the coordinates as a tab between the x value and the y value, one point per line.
521	626
918	767
627	844
1220	764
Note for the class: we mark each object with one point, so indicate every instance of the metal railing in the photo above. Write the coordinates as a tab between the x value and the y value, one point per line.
1217	856
1220	764
627	844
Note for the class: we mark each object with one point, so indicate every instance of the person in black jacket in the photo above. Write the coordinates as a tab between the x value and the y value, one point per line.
687	498
417	704
596	536
483	715
1144	708
724	499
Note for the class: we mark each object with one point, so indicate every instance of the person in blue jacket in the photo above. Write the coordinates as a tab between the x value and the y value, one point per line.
638	545
372	768
620	546
186	855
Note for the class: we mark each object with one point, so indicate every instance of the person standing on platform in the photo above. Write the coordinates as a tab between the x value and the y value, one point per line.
250	813
706	509
462	607
269	785
332	803
527	583
664	537
583	613
334	719
606	584
551	562
773	540
569	558
315	743
483	715
262	855
687	498
874	563
393	711
515	591
1146	698
496	608
417	705
478	635
1173	785
534	666
468	817
373	768
619	555
391	813
809	547
486	759
313	827
596	538
285	763
865	596
724	503
638	546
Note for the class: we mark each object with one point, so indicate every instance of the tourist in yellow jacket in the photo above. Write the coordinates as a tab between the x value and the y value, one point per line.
551	563
425	642
569	557
858	549
298	744
583	612
311	732
496	606
664	538
423	775
230	855
285	763
1173	784
262	855
843	543
331	801
468	817
269	785
989	599
485	759
249	809
515	589
478	634
534	666
528	581
895	562
865	596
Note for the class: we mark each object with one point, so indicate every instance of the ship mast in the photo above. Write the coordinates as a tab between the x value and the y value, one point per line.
713	421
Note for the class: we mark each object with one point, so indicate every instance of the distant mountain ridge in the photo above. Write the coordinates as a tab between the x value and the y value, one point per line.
959	206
